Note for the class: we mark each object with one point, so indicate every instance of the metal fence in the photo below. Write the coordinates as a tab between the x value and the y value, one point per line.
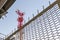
45	26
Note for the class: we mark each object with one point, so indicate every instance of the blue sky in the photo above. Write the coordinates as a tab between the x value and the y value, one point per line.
29	7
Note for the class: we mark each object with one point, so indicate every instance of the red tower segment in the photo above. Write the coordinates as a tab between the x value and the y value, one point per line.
20	18
20	22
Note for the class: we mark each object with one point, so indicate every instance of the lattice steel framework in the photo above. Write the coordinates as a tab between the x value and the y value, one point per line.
45	27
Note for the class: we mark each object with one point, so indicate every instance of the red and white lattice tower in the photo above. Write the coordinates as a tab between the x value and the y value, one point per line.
20	22
20	18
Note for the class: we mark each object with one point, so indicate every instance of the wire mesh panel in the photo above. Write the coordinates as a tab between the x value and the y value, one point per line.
45	27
